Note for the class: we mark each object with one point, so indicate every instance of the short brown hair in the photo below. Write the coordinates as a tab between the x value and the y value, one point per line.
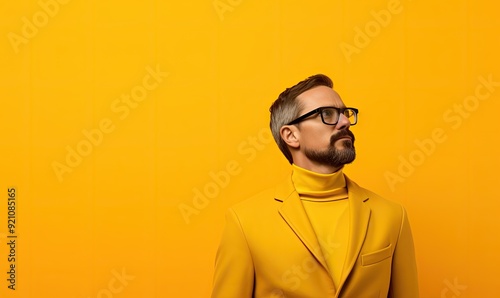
286	108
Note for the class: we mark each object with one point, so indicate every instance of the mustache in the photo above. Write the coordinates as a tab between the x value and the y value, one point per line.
341	134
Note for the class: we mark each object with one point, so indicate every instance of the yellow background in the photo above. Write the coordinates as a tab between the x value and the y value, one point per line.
203	128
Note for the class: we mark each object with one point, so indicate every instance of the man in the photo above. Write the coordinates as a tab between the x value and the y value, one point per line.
317	234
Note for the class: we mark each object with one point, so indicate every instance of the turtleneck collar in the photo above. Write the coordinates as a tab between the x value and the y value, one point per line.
315	185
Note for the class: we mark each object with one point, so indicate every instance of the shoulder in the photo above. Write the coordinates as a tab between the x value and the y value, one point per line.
376	202
265	202
262	200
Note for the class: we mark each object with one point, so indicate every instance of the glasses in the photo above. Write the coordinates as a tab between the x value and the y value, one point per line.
331	115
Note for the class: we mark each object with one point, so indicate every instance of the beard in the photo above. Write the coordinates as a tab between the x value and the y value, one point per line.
332	156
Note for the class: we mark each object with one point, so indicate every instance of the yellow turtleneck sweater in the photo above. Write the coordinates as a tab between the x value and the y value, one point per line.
324	197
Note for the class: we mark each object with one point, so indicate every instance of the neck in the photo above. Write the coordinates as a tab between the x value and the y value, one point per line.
311	184
316	167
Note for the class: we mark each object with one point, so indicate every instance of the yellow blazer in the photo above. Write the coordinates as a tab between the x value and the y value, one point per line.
269	249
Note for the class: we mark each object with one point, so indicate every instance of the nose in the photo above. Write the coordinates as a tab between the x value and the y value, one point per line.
343	122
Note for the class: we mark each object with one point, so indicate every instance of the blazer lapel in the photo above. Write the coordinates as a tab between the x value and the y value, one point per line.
359	218
295	216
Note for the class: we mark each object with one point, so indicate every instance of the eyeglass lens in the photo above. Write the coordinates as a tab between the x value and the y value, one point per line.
331	116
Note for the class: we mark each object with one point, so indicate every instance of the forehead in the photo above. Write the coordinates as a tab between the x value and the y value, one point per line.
319	96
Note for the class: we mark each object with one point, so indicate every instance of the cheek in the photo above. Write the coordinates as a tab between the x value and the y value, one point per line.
316	135
317	139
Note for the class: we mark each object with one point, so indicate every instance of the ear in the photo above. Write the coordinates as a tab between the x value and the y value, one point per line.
290	134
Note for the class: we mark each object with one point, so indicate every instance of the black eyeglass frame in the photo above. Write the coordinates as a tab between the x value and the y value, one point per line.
320	110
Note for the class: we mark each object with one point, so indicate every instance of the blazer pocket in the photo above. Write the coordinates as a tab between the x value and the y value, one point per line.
376	256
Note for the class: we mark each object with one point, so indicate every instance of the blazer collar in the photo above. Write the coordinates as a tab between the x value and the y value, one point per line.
295	216
359	217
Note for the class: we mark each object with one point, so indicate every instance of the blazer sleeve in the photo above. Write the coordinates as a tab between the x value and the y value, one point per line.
404	278
234	273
